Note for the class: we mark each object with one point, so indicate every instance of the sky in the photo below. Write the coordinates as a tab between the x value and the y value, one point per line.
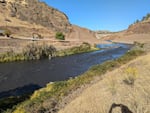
112	15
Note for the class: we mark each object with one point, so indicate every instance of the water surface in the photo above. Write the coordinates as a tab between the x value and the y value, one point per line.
20	74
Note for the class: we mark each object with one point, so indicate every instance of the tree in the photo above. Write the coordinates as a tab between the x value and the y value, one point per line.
60	36
137	21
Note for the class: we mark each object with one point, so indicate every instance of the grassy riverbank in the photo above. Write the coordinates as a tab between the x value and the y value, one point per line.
47	99
30	52
83	48
37	52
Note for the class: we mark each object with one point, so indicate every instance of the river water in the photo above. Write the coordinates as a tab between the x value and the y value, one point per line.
26	76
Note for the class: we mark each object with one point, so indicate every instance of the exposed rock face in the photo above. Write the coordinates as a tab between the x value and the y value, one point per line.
37	12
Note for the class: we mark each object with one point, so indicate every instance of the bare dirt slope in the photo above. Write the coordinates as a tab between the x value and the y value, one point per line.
82	34
116	88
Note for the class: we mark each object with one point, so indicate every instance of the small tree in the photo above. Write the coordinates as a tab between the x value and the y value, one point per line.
137	21
60	36
7	32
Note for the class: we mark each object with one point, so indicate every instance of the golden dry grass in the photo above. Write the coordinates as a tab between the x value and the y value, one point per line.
112	88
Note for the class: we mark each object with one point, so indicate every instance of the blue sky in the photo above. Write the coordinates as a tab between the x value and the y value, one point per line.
113	15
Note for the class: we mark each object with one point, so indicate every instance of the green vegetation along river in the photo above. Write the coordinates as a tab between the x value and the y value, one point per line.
17	78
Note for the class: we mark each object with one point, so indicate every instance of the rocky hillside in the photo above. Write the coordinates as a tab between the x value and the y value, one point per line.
34	11
26	17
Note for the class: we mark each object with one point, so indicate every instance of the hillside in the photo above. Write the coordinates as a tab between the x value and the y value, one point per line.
137	32
18	17
25	17
128	85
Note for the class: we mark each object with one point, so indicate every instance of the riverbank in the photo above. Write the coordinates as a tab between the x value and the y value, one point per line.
83	48
55	92
37	52
127	85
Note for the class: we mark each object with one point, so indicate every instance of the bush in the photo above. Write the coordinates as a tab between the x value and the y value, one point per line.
37	52
84	47
7	32
30	52
131	75
60	36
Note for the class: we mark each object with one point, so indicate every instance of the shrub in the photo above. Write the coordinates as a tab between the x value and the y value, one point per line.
131	75
30	52
7	32
60	36
84	47
37	52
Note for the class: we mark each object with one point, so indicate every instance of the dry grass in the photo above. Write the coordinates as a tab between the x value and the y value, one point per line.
99	97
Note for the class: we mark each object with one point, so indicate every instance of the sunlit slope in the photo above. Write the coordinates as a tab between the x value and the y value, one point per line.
128	85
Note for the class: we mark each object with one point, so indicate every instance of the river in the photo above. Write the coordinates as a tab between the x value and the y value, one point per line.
26	76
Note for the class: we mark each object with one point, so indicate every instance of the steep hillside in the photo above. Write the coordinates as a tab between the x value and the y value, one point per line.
18	27
82	34
34	11
140	27
26	17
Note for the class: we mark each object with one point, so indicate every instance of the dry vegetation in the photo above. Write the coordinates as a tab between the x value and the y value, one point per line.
50	98
128	85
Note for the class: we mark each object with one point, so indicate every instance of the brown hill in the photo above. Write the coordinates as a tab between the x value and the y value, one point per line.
34	11
140	28
25	17
82	34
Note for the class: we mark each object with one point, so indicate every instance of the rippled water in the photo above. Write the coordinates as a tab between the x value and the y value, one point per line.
39	73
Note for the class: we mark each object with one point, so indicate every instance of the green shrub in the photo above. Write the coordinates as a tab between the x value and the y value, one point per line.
7	32
60	36
84	47
130	75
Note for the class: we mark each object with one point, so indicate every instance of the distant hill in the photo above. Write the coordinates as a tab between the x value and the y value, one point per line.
140	26
139	31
